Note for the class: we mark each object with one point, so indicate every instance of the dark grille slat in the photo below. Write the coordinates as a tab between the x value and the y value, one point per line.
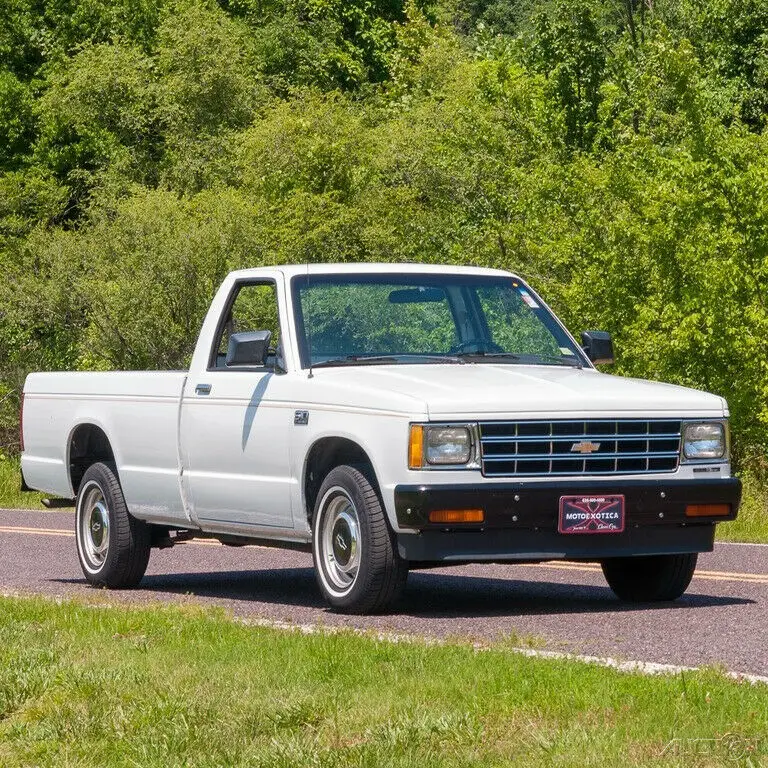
557	438
627	446
539	457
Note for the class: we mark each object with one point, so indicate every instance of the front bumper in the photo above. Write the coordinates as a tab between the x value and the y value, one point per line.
521	519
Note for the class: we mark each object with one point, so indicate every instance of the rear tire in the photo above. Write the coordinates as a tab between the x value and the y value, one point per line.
357	564
113	546
650	578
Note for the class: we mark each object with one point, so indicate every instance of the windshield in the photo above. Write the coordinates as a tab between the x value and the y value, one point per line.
426	319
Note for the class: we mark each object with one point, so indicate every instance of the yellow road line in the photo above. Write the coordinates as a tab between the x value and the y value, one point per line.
760	578
731	574
706	577
566	566
746	578
41	531
65	532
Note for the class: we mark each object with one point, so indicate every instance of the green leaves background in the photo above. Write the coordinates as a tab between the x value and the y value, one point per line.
613	152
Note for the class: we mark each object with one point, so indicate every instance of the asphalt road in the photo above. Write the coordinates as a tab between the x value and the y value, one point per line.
721	620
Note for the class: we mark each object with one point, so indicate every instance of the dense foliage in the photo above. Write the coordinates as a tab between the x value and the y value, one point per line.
614	152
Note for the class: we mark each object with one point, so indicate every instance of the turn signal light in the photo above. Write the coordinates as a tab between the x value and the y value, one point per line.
707	510
416	447
456	516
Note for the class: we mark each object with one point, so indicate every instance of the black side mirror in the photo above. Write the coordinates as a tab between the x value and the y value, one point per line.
248	348
598	346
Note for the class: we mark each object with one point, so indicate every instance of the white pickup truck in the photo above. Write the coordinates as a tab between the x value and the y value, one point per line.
386	417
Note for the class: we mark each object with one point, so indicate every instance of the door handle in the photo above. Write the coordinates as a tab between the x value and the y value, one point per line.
203	389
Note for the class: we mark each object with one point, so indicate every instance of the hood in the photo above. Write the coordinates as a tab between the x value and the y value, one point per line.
466	391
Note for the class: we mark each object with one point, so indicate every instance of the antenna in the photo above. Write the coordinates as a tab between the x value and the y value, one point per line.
309	330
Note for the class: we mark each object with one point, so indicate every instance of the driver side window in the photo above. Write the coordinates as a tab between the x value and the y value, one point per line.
253	309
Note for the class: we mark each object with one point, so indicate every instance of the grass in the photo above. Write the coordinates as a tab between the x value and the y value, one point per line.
11	496
752	523
85	685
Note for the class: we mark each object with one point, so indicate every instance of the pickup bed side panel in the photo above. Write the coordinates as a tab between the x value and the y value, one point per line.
138	412
48	423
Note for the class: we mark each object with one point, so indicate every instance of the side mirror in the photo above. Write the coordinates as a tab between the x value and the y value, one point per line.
598	346
248	348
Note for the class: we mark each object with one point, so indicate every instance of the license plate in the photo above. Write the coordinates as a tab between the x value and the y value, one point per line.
591	514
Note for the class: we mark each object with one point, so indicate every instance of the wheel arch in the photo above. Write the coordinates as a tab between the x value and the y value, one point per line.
88	444
326	453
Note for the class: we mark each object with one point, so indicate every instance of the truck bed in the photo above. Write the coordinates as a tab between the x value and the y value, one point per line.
140	406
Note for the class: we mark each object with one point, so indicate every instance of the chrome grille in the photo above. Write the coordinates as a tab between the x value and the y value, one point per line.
591	447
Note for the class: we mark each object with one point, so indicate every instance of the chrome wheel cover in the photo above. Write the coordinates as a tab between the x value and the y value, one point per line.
338	541
93	526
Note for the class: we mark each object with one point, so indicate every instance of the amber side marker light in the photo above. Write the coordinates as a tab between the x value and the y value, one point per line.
416	447
707	510
456	516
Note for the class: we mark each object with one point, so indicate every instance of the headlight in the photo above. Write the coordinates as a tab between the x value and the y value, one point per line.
447	445
444	445
704	440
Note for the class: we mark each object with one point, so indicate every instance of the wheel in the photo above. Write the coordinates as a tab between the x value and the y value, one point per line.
357	564
651	578
112	545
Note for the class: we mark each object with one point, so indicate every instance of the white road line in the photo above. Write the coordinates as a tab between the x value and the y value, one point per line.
626	666
643	667
648	668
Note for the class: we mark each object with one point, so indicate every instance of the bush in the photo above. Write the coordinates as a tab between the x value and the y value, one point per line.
614	154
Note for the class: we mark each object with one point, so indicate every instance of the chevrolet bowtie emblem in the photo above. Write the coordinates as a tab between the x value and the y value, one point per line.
585	447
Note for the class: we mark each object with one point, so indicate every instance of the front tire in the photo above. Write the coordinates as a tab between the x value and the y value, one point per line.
113	546
651	578
357	564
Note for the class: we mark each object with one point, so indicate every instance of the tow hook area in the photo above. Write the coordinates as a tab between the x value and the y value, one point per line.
57	503
164	538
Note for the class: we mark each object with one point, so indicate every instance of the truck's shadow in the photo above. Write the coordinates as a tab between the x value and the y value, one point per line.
428	594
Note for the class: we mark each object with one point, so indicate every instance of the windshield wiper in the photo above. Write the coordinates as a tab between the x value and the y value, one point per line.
470	355
437	358
382	359
512	356
560	361
355	360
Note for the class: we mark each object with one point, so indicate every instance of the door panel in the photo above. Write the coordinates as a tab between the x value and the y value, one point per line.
235	443
235	425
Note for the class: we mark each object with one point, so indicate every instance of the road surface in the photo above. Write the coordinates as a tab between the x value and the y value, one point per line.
722	619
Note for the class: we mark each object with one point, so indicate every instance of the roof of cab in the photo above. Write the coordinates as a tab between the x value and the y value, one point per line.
291	270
